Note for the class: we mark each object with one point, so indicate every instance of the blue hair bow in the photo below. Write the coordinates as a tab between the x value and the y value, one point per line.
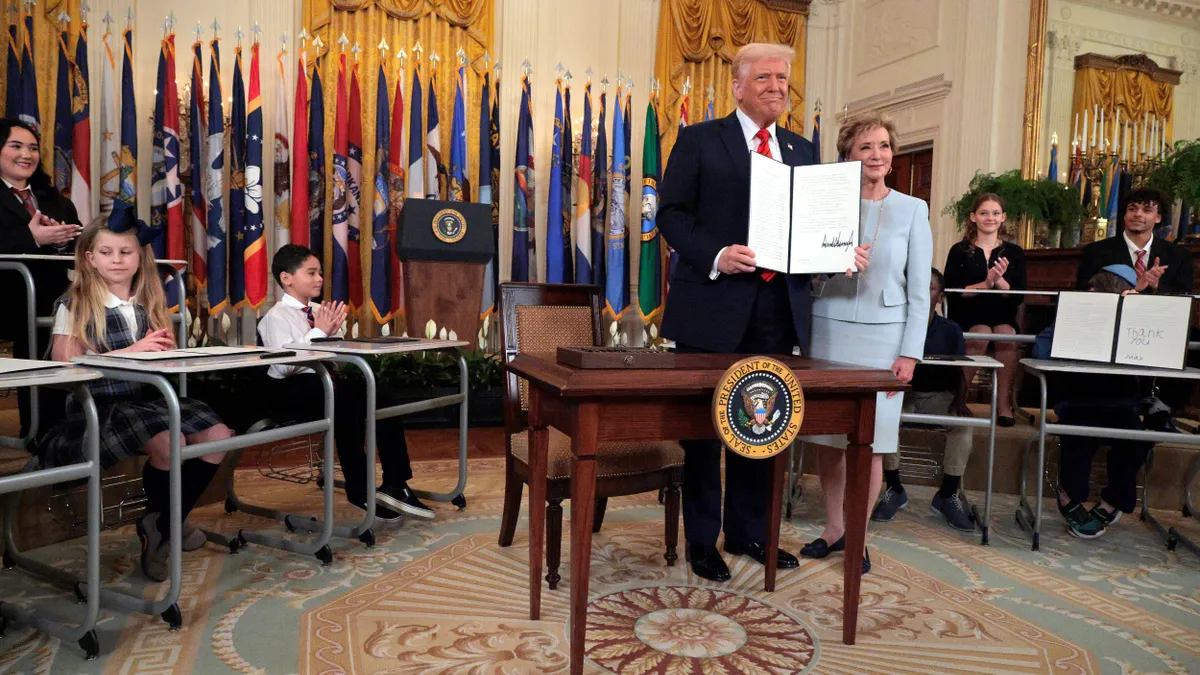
124	219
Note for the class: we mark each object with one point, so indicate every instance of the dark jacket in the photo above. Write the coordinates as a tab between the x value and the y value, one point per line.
1176	280
50	279
704	205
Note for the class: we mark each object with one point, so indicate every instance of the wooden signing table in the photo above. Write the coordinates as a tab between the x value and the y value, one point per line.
600	406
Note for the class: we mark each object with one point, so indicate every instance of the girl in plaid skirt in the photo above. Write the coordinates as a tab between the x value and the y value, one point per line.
116	304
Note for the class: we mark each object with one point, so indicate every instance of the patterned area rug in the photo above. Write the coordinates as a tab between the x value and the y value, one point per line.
441	598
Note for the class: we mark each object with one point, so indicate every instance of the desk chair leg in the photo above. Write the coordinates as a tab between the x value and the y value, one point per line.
513	487
1193	470
601	505
672	523
554	519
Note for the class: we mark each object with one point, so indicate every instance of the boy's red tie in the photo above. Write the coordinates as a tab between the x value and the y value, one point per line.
308	314
764	149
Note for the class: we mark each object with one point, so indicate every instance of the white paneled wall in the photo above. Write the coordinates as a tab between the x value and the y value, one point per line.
274	17
609	37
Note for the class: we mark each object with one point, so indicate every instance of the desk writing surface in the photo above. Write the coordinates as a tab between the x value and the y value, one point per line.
693	374
1087	367
371	348
201	364
970	361
61	373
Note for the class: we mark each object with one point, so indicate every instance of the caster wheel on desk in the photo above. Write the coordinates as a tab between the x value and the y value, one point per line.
237	543
90	644
173	617
984	541
1187	510
325	555
1172	543
9	562
230	507
459	501
80	596
287	522
1037	541
321	482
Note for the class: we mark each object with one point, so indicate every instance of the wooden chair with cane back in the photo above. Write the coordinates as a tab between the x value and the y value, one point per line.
539	318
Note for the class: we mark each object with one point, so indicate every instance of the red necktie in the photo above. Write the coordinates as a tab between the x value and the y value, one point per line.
764	149
26	199
308	314
1140	265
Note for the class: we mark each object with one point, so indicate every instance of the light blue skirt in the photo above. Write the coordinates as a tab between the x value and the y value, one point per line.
862	344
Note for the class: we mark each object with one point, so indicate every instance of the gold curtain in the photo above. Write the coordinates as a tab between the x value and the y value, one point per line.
441	26
1135	86
46	32
698	39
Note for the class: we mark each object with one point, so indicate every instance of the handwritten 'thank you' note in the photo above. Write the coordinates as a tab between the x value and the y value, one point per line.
1153	331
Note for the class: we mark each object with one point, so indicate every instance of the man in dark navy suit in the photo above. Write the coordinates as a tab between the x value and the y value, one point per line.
719	302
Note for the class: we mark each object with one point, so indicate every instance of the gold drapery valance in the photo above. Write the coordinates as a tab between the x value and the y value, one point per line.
698	39
46	32
1133	84
441	26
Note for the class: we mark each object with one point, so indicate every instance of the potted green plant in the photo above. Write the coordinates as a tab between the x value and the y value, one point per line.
1053	208
425	375
1179	177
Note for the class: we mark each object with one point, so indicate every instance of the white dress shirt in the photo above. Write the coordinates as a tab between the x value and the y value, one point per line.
27	189
286	323
749	130
63	323
1133	249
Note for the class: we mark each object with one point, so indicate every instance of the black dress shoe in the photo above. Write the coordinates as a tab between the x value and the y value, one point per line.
784	560
819	548
1006	420
706	562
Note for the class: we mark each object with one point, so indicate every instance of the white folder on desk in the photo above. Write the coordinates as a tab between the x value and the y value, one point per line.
1140	330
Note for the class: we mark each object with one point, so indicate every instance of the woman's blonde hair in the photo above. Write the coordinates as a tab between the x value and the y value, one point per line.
87	296
860	124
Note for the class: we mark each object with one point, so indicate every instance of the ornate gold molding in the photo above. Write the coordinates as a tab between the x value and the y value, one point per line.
1138	62
1035	59
791	6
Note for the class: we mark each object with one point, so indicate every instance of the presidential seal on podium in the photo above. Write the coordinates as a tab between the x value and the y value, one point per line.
758	407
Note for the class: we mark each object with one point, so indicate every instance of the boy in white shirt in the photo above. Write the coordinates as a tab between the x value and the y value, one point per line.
296	390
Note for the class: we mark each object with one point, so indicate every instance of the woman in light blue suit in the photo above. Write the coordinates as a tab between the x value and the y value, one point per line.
874	318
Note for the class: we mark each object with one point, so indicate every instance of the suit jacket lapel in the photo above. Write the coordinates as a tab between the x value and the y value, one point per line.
735	143
791	154
10	203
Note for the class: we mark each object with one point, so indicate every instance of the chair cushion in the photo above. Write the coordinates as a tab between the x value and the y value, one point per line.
13	461
612	459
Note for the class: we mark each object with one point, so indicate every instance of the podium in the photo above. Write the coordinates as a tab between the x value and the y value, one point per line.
443	248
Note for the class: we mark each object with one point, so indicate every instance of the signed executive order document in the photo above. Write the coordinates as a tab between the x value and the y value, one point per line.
804	219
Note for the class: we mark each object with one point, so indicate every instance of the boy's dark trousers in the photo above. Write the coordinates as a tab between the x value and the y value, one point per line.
302	397
1125	458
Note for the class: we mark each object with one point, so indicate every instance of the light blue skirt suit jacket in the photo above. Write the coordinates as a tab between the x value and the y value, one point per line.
883	312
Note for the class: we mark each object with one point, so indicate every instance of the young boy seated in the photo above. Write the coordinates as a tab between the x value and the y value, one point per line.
936	390
1097	401
297	391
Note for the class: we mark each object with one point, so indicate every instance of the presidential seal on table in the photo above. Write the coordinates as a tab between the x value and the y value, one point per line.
758	407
